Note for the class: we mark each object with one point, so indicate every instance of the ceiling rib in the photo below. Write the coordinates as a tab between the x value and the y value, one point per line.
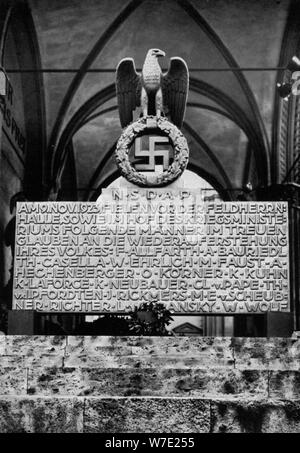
211	34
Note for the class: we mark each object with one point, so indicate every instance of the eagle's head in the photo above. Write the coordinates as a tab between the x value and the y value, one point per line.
156	53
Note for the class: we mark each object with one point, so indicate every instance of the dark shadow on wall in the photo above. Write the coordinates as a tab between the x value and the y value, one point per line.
9	241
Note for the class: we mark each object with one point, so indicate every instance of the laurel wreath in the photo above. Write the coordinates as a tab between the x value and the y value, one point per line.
181	153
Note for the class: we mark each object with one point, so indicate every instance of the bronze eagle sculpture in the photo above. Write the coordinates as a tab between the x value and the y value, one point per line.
156	93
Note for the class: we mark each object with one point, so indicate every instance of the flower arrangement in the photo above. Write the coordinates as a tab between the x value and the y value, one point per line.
150	318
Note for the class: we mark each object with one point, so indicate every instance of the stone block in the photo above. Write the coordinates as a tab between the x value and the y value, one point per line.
267	353
97	351
52	381
11	361
214	383
104	359
198	350
41	415
104	382
250	416
2	344
149	352
284	384
146	415
13	380
37	349
158	382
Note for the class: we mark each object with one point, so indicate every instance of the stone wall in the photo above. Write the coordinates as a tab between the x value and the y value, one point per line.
149	384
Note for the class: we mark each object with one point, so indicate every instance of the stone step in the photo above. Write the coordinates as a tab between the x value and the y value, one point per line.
114	359
189	352
104	382
149	384
147	415
281	353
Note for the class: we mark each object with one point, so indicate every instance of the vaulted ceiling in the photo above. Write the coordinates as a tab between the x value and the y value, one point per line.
229	116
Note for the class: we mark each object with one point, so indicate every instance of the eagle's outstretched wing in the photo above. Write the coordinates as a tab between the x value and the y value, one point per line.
175	87
128	88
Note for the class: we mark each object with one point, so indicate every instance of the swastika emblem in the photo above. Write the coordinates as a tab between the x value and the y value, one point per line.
137	141
152	153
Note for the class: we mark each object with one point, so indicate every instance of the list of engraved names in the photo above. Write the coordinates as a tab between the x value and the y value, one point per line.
142	245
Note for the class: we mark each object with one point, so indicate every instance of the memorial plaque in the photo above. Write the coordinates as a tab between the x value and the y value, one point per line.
139	245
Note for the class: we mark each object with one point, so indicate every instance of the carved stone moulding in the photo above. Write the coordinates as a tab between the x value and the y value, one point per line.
140	127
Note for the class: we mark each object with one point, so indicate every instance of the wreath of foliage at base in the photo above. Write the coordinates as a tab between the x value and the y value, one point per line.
137	128
160	319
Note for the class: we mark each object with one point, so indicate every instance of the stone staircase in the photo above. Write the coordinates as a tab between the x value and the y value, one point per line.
149	384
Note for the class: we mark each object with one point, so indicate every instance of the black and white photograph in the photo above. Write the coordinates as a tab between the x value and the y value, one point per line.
149	219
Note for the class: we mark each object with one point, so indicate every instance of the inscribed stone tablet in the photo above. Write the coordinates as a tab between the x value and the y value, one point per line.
141	245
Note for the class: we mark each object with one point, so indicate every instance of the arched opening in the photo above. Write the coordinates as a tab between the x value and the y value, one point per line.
83	106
